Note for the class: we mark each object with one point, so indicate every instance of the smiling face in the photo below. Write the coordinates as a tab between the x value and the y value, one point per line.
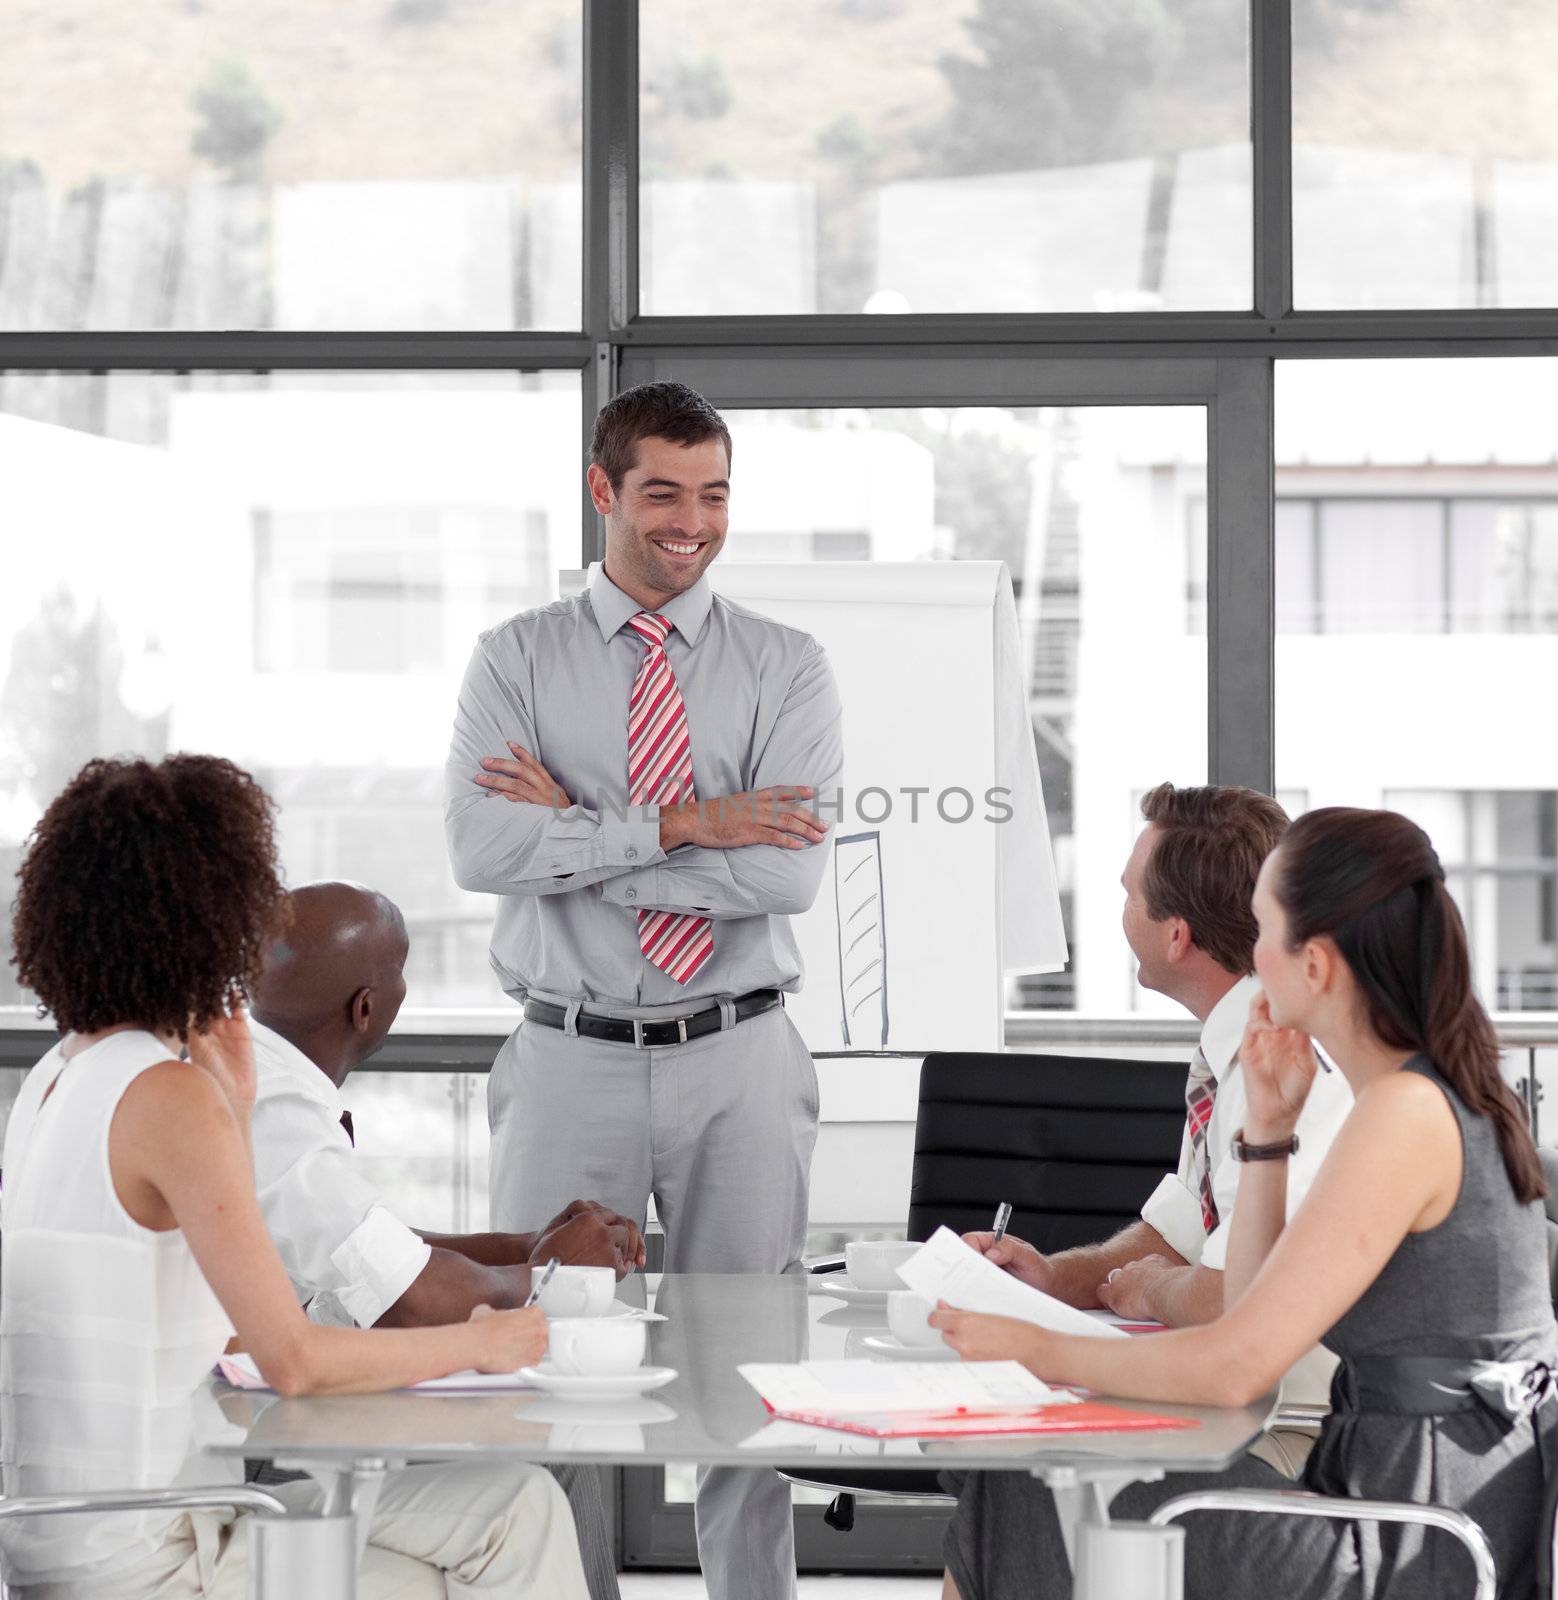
666	521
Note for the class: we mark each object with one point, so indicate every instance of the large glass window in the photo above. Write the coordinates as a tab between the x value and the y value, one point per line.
1087	507
915	155
289	570
1427	498
1500	855
388	164
1425	154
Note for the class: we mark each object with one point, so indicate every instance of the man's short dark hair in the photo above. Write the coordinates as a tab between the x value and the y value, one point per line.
1208	853
652	411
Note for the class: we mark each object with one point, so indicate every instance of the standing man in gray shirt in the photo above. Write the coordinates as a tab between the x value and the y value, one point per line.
630	772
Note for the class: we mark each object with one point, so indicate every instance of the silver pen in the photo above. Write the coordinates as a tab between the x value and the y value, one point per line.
1003	1215
538	1284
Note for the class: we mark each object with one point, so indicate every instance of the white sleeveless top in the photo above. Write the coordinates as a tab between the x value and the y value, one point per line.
108	1331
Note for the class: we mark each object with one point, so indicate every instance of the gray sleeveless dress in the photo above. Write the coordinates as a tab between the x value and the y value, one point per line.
1475	1288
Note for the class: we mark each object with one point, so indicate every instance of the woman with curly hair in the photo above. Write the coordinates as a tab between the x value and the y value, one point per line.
134	1244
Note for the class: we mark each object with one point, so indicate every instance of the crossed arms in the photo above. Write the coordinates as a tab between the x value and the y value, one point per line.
512	829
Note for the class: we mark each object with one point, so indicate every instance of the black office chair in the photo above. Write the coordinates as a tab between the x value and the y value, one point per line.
1075	1143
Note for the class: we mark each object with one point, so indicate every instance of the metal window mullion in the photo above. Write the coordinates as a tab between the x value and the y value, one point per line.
1271	132
244	351
801	379
1241	577
610	255
1307	334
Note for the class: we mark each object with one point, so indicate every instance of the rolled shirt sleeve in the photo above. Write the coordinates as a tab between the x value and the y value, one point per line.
337	1240
499	846
1176	1213
804	749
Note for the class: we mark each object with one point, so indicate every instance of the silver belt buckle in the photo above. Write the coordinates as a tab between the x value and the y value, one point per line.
638	1032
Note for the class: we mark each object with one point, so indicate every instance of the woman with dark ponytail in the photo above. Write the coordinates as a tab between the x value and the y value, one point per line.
1418	1258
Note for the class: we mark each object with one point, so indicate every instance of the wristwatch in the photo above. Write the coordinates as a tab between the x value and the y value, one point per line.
1241	1151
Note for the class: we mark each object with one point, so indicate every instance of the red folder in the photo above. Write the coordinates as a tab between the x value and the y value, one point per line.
1086	1416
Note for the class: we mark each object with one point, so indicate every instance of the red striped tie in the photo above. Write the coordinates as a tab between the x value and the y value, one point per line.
660	774
1200	1093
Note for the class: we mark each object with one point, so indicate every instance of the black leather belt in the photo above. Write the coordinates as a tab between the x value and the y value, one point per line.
654	1035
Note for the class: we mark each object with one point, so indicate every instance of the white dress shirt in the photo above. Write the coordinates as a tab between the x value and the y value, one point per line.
762	709
1174	1207
349	1257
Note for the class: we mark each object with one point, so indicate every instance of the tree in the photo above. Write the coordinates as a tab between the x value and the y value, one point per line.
237	120
60	703
1048	83
60	706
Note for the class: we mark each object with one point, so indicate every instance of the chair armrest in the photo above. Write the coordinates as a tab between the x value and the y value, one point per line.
218	1497
816	1264
1301	1503
1300	1419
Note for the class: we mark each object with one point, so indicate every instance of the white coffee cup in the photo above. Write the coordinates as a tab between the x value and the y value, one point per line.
579	1292
874	1263
906	1316
596	1347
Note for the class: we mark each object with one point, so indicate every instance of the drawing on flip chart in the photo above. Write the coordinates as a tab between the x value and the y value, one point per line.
862	939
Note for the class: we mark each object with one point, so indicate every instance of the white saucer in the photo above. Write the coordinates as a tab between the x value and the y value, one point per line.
837	1285
889	1344
638	1313
615	1386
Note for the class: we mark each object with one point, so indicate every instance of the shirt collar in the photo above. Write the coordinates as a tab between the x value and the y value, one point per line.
687	613
1223	1031
273	1051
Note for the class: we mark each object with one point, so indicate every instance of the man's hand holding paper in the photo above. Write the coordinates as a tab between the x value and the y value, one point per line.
1015	1256
947	1269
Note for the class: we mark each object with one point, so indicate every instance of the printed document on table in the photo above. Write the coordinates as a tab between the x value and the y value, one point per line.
828	1388
944	1268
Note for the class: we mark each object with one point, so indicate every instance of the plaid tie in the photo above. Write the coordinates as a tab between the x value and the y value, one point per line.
660	774
1200	1092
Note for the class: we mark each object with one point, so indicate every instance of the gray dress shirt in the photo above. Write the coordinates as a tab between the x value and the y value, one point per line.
762	710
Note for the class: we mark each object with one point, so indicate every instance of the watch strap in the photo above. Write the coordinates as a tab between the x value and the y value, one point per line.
1242	1151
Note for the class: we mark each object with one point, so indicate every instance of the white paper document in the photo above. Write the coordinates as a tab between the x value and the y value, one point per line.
241	1372
845	1388
944	1268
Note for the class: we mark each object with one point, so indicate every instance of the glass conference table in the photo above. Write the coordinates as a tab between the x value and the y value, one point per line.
709	1415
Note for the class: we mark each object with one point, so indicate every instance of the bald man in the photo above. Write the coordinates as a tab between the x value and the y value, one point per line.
329	994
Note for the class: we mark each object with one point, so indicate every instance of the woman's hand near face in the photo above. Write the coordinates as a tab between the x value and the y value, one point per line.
978	1337
1279	1065
225	1053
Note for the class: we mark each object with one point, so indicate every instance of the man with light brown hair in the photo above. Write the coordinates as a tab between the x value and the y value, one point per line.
1188	921
629	774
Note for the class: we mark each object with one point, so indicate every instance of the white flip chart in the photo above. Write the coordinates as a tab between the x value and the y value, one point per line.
942	879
